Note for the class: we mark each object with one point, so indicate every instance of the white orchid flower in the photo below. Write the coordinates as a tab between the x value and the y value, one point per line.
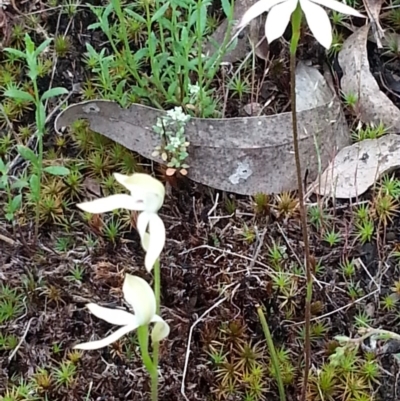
139	295
147	196
280	11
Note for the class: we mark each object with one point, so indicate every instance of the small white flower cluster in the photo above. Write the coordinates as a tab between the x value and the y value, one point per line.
177	115
194	90
171	128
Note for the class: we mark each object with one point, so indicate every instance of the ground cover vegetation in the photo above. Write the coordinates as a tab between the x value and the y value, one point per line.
231	282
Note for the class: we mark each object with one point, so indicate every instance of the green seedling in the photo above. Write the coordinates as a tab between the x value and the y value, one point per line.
337	43
385	207
261	203
354	291
112	230
173	53
369	132
248	234
365	230
230	204
76	273
350	100
389	302
11	303
338	18
31	57
362	213
394	18
61	45
276	255
63	244
42	380
370	369
8	342
239	86
332	237
217	357
318	216
390	186
65	373
362	319
348	269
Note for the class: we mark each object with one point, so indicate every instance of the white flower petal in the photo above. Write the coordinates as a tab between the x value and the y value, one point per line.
142	223
140	296
145	188
110	203
112	316
278	19
145	240
122	179
160	330
318	22
339	7
108	340
255	10
156	241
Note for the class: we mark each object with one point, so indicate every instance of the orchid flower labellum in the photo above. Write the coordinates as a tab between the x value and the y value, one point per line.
280	11
140	296
146	196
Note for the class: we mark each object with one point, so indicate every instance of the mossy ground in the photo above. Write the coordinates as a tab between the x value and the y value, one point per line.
225	255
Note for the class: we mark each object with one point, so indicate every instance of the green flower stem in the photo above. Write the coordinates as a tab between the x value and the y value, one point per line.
156	345
40	126
296	30
143	337
157	285
272	352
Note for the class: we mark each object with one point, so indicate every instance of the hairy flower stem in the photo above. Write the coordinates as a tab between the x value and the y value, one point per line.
156	345
296	27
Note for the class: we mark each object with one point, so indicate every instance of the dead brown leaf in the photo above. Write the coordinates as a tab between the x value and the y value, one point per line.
374	106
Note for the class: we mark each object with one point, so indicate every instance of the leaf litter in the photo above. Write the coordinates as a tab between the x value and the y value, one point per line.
244	155
357	167
193	274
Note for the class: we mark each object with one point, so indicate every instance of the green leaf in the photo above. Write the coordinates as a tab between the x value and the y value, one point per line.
9	217
136	16
3	166
57	170
160	12
15	52
33	69
227	7
19	184
28	154
40	117
42	47
29	44
19	94
53	92
15	203
34	185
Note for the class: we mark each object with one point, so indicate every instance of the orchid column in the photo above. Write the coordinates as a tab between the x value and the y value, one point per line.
146	196
280	12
